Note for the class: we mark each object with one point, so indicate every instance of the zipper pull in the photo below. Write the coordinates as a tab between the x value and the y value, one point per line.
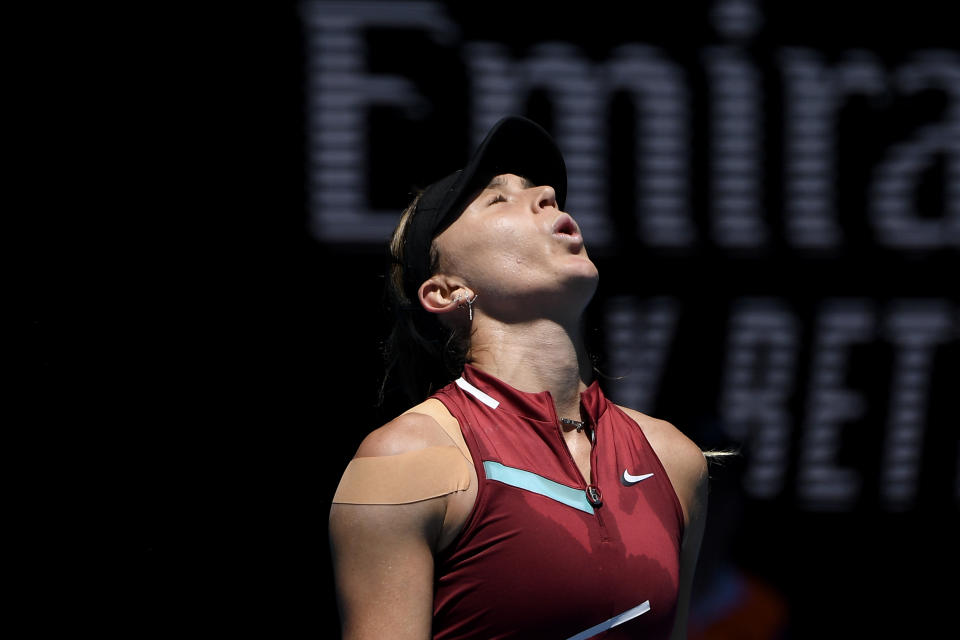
594	497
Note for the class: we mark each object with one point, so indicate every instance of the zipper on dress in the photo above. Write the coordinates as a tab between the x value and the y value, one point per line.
590	489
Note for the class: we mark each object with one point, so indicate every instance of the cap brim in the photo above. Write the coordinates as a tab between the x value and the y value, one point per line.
514	145
522	147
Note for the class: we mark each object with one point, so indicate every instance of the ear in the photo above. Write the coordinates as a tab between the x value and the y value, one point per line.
439	294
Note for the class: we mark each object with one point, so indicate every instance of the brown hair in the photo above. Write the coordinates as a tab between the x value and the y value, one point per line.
421	354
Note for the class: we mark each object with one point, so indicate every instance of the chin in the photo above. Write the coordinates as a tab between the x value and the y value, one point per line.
584	279
583	267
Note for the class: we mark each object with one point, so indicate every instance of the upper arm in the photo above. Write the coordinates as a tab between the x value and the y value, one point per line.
383	567
383	553
686	466
692	537
681	458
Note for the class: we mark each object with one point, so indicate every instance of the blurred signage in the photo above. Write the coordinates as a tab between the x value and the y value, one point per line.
785	162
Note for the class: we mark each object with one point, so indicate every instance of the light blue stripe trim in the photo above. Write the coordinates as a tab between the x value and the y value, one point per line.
627	615
529	481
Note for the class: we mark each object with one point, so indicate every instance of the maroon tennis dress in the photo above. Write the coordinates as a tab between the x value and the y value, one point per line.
545	554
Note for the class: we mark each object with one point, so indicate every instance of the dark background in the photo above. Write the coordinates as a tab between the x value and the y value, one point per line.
201	368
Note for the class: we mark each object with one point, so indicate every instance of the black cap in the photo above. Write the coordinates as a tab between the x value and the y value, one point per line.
514	145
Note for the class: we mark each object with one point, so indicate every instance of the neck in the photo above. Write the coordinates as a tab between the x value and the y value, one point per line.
534	356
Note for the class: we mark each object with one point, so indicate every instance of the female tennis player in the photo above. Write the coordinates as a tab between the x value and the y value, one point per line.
513	499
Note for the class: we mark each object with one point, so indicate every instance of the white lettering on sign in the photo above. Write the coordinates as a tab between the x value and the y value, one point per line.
340	93
892	205
813	95
638	337
916	328
736	149
783	388
824	483
758	381
579	89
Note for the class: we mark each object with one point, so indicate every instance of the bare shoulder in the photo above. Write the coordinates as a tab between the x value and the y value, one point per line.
669	442
428	492
376	489
681	457
416	428
384	532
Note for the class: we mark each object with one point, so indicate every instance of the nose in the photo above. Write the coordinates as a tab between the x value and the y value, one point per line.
545	197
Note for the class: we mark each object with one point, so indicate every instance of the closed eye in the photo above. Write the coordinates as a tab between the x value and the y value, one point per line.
497	198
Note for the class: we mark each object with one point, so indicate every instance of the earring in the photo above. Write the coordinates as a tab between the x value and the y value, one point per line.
469	305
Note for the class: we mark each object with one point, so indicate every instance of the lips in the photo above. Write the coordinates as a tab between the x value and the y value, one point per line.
564	225
566	231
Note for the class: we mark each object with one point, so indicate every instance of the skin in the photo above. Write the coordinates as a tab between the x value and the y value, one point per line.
532	286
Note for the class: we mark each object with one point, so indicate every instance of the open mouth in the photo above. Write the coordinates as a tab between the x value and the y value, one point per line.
564	226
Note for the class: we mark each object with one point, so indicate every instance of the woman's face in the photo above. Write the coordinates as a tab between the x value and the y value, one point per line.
513	246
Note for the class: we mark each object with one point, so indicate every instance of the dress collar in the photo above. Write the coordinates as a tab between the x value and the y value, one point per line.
499	395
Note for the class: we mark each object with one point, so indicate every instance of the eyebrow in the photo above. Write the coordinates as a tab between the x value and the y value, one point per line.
500	181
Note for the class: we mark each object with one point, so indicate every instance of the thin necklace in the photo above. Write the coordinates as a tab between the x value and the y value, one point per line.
574	423
580	427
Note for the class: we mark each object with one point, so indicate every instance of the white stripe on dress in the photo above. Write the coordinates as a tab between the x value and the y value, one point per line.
476	393
629	614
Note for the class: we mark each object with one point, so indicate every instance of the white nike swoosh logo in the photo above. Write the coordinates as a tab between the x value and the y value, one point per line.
630	480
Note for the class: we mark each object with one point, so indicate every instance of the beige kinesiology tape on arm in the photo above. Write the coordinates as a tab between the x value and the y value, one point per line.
405	477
